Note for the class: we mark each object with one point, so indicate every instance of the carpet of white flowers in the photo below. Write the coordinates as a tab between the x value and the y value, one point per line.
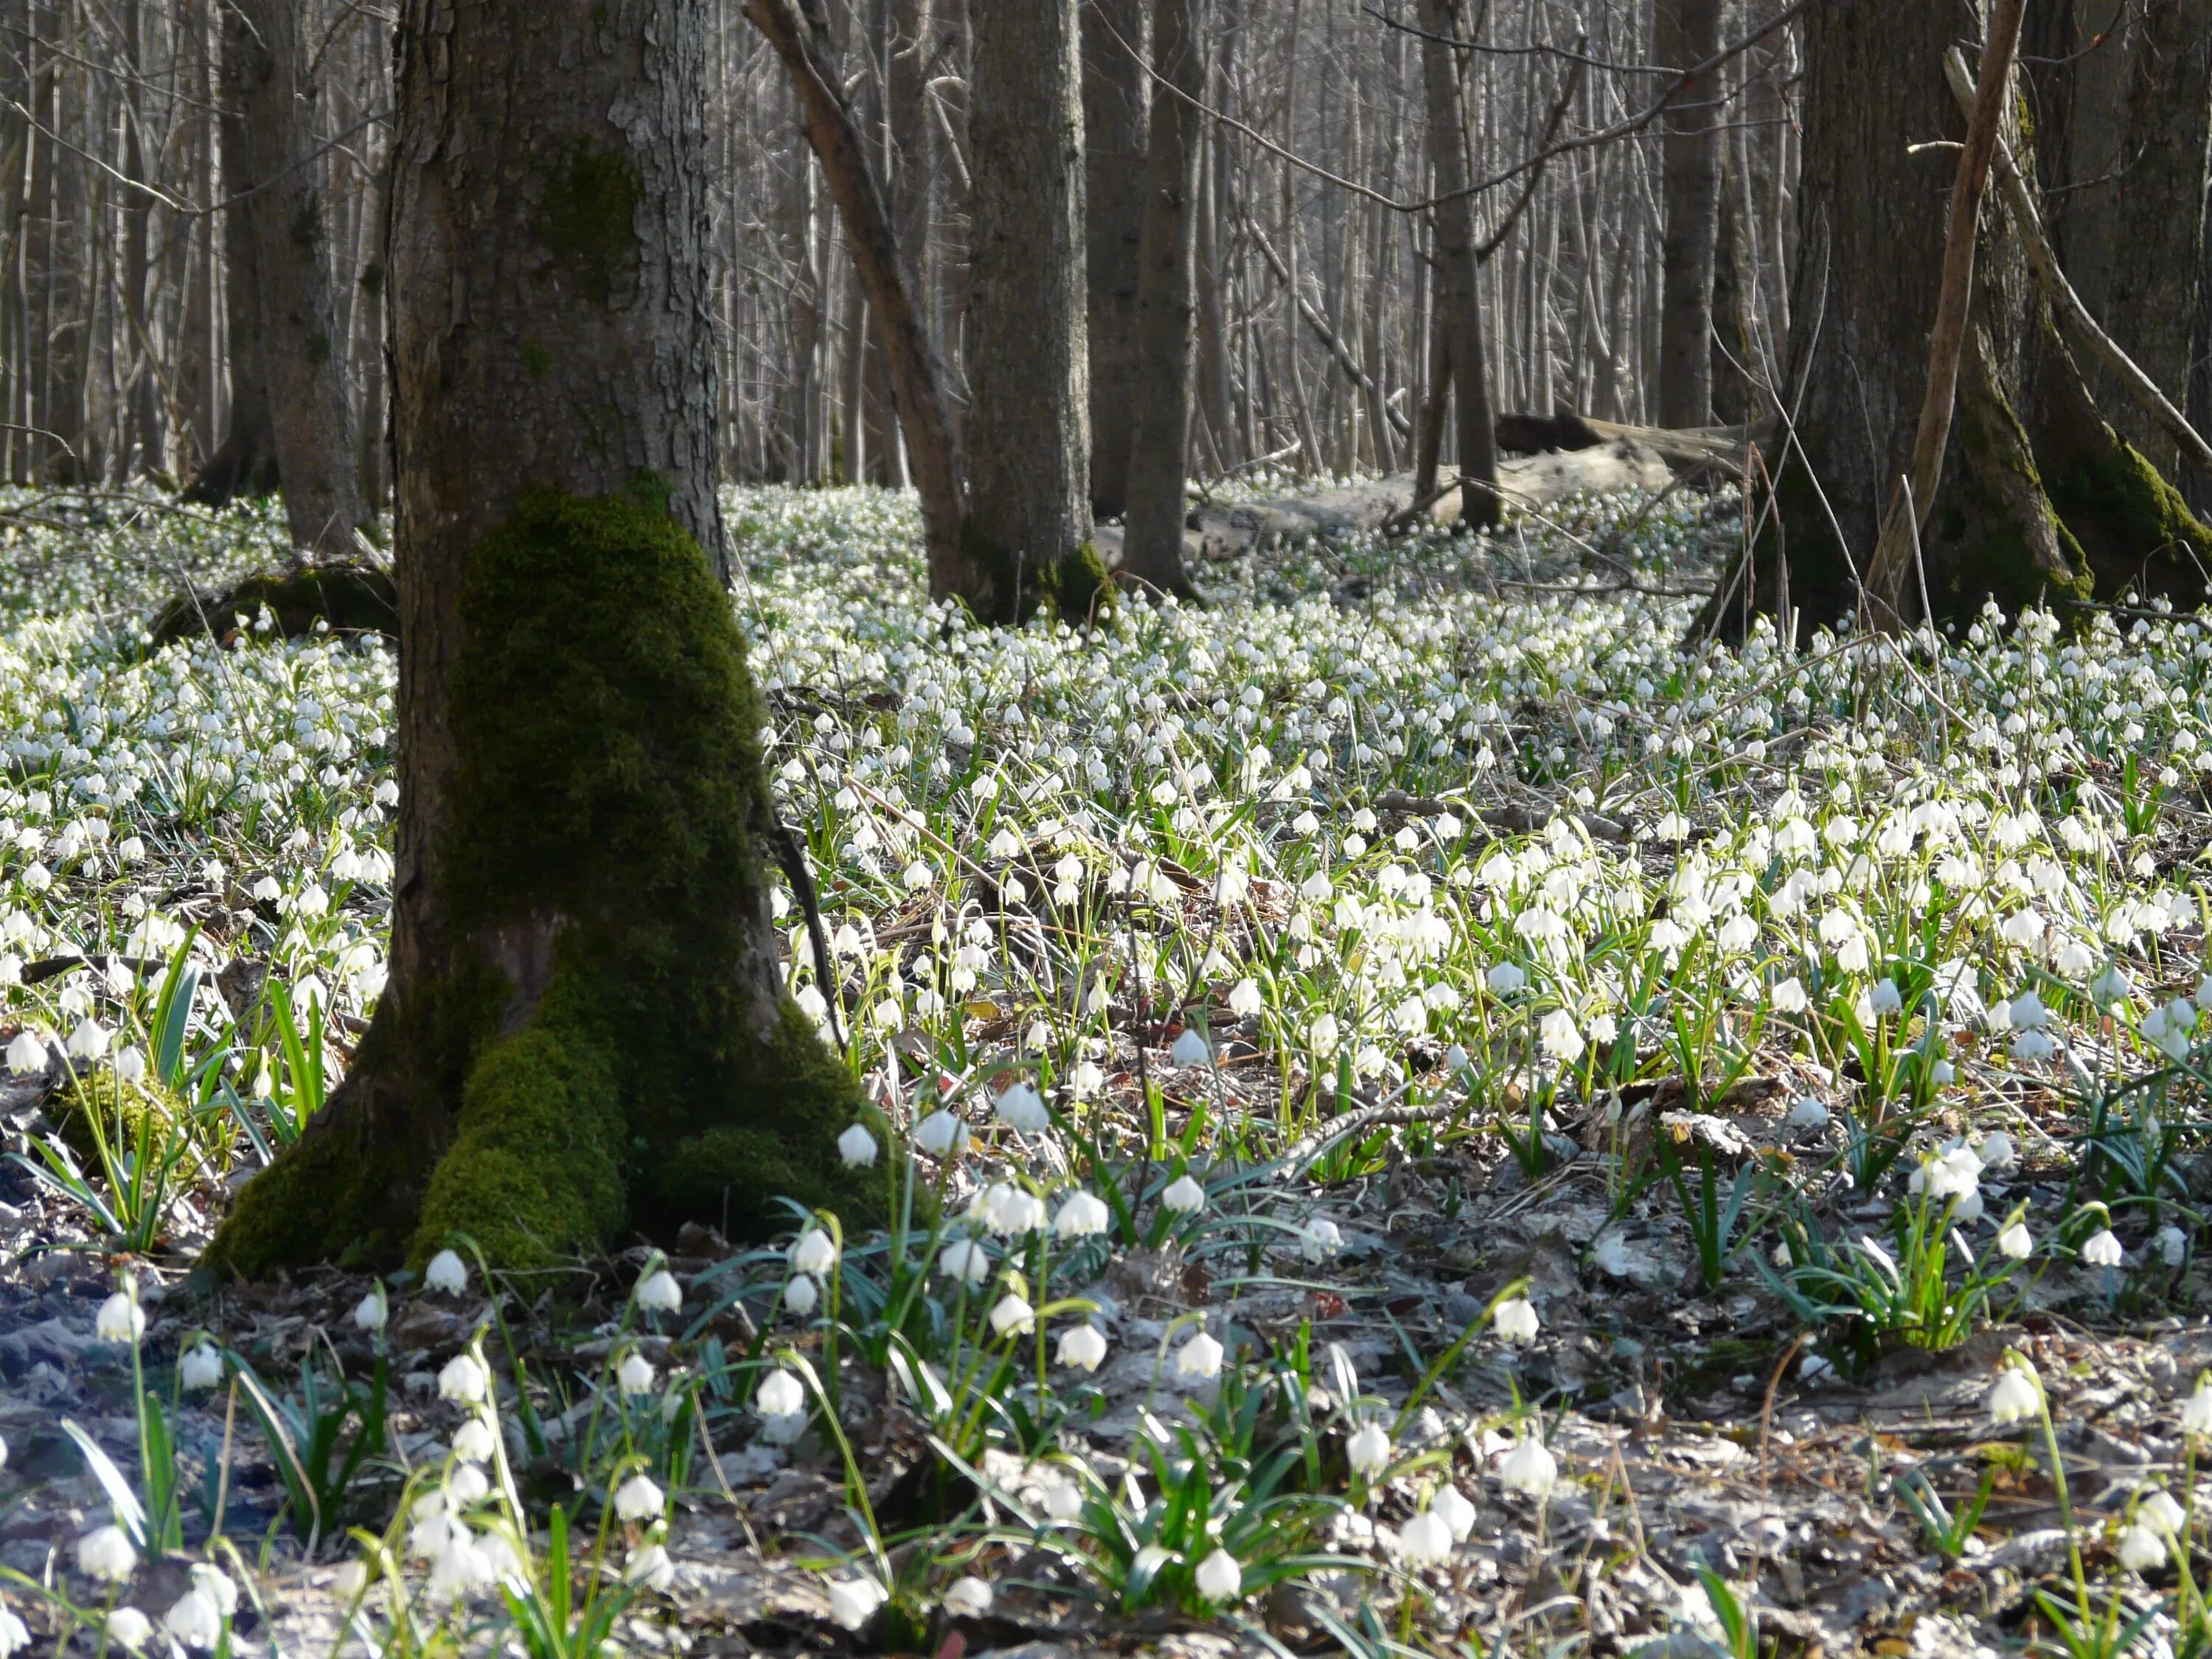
1427	1114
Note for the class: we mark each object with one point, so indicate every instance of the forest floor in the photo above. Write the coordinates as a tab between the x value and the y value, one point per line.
1543	1139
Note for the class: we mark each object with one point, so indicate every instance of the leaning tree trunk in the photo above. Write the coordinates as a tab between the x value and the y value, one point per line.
1687	33
265	58
1457	291
245	462
1027	536
1115	94
2039	499
585	1027
1160	443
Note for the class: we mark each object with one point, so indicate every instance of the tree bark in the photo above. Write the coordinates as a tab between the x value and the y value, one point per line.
265	58
1688	31
1159	447
2038	500
1026	538
1116	94
1458	295
584	1027
800	34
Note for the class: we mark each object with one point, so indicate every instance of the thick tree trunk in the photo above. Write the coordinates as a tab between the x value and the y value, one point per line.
798	30
265	60
1026	538
1688	31
1115	91
245	462
2039	499
1458	295
584	1027
1160	442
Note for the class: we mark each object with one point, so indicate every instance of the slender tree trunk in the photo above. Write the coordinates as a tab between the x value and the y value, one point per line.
1460	295
245	462
798	32
1116	94
584	1025
266	47
1688	31
1159	447
1029	442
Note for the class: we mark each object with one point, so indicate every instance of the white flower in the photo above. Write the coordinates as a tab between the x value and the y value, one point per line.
1884	998
2197	1410
199	1366
1369	1449
1009	1210
1788	996
1320	1239
1184	1196
1191	1049
121	1319
1012	1316
2140	1549
637	1497
372	1311
458	1568
2101	1249
130	1064
967	1598
1022	1108
473	1442
1082	1347
2016	1242
350	1581
1515	1320
1506	978
1425	1540
15	1634
2171	1245
1996	1151
1220	1578
2159	1511
857	1147
964	1259
2012	1397
853	1602
1324	1035
649	1568
1199	1356
1561	1040
940	1133
1063	1498
26	1053
1529	1468
1244	998
813	1252
463	1379
635	1374
1083	1215
1956	1174
659	1293
446	1272
800	1295
1457	1512
128	1627
106	1552
465	1487
89	1041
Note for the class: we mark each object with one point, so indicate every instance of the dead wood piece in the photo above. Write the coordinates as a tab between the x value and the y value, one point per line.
350	598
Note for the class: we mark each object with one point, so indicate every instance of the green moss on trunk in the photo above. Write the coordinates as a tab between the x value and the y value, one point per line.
1077	586
2137	532
610	1043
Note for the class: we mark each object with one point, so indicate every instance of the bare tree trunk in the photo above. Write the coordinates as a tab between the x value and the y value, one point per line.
302	358
1688	31
1115	95
1160	444
1459	297
585	1021
1029	442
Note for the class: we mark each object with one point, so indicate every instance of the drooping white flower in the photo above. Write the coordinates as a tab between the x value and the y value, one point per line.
1368	1449
649	1568
635	1374
637	1498
857	1147
1884	999
120	1319
1529	1468
2197	1410
813	1252
1514	1319
1457	1512
2015	1240
463	1379
1081	1215
1200	1356
473	1442
1082	1347
106	1552
1219	1576
1184	1196
2140	1549
1191	1049
964	1259
940	1134
15	1634
127	1627
1320	1239
2102	1250
853	1602
1011	1315
465	1487
800	1297
2160	1511
90	1040
967	1597
1023	1108
26	1053
446	1273
2012	1397
1425	1540
659	1293
199	1366
780	1393
1244	999
373	1310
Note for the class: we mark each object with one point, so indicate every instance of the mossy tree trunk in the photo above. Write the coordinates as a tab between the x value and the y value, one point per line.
1159	447
584	1029
1028	443
2041	500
